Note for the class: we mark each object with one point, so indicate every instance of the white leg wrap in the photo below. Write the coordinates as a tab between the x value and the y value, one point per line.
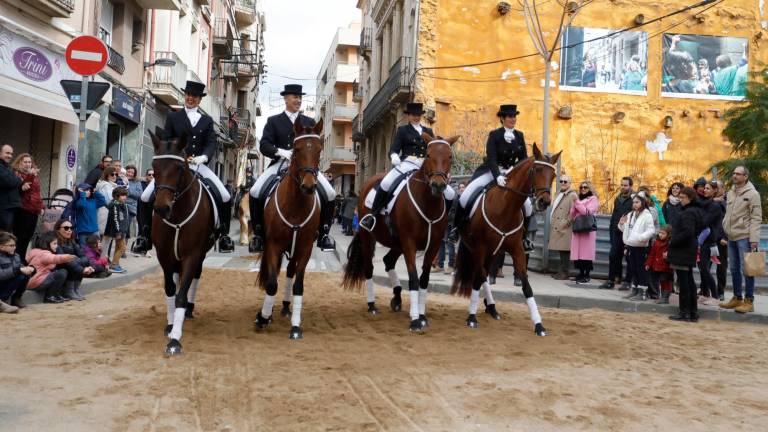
178	321
488	294
266	308
422	301
473	299
176	280
371	295
296	313
170	303
414	304
192	292
288	291
393	279
534	310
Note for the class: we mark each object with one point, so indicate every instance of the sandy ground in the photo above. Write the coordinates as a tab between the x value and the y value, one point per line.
98	366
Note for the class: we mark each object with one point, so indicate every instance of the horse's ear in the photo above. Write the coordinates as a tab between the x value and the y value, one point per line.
427	137
298	127
155	140
536	153
556	157
180	143
318	129
452	140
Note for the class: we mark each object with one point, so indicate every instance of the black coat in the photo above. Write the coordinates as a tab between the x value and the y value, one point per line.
712	218
10	187
408	142
684	242
621	206
502	154
94	175
75	267
201	139
670	211
278	134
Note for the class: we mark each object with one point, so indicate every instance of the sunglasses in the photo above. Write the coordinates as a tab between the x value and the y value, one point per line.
9	245
67	228
583	187
150	175
564	181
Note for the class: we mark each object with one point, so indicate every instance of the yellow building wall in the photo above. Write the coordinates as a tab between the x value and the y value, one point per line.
594	147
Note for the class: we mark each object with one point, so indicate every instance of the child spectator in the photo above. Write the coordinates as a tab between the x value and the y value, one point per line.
86	206
638	229
117	227
661	274
48	280
92	250
14	275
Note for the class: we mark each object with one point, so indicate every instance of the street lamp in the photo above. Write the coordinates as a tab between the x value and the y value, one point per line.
160	62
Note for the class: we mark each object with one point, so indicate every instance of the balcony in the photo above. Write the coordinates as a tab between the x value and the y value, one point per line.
245	12
357	92
222	37
229	69
169	81
172	5
366	41
357	130
116	61
344	113
246	64
395	90
343	154
55	8
347	73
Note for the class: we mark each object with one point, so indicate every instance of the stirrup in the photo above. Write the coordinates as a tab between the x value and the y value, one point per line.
362	222
226	244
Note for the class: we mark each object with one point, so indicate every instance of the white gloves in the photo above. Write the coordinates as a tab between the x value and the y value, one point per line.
199	160
285	154
501	181
395	159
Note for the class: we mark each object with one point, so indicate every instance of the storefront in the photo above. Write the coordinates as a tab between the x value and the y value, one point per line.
123	137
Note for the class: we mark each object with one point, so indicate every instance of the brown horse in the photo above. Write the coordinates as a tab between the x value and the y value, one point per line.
419	219
497	227
183	228
291	222
244	217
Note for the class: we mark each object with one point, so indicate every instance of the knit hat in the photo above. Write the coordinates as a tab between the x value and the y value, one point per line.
700	182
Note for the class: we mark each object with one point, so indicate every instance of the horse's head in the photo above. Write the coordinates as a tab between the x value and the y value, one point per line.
307	147
170	165
437	164
544	171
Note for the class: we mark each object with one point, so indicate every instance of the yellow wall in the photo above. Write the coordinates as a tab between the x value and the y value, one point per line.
456	32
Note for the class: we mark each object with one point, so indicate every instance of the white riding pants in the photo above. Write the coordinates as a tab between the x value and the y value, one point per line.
410	164
204	172
483	181
258	185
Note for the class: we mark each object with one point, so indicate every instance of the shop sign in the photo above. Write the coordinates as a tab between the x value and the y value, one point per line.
32	64
71	157
125	105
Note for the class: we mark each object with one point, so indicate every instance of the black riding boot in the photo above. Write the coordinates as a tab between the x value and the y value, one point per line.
459	220
368	222
325	242
143	241
225	217
527	243
257	222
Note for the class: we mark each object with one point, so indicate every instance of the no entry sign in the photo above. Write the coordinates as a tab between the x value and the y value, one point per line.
87	55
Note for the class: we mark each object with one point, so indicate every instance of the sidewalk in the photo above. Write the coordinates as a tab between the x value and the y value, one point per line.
558	294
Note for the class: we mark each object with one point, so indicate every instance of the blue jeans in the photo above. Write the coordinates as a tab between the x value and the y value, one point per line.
446	244
13	288
81	237
736	250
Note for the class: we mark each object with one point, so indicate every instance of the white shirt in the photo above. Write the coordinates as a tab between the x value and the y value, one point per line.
292	116
509	135
418	127
193	115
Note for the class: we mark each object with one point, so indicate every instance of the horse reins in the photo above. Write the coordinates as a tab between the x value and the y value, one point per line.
429	222
307	169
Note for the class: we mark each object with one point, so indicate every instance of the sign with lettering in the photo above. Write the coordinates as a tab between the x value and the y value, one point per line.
25	61
32	64
125	105
71	157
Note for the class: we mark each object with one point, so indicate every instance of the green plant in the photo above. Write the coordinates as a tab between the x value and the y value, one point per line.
465	162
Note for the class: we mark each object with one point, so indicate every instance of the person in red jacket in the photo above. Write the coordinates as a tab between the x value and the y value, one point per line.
661	274
25	218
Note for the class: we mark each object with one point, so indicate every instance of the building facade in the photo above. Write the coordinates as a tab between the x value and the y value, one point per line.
337	107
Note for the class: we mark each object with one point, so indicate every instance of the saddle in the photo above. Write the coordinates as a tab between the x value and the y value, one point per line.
213	193
397	187
473	201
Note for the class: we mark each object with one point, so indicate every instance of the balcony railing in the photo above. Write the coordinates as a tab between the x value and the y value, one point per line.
395	89
357	129
357	92
245	12
220	30
344	111
366	39
116	61
169	80
55	8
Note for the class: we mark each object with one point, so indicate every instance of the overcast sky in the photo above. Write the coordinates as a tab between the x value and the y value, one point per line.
299	33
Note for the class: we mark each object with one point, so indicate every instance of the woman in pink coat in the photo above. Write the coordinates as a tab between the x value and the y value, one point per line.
583	244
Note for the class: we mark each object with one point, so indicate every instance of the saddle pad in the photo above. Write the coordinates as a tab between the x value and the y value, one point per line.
388	209
213	203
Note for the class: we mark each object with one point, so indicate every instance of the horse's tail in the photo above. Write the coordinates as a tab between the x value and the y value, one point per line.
465	272
354	270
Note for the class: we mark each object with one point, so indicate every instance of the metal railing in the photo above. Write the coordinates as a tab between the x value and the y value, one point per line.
69	5
220	30
344	111
170	77
398	84
366	39
116	60
357	129
357	92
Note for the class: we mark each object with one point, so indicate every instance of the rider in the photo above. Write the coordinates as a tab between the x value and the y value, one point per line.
409	145
277	144
200	150
505	147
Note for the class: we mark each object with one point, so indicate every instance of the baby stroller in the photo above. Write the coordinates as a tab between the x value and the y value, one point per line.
54	208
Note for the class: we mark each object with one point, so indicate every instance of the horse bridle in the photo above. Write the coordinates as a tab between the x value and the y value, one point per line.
442	174
173	189
308	169
533	190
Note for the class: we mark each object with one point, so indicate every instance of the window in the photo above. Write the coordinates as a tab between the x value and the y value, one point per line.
107	22
137	34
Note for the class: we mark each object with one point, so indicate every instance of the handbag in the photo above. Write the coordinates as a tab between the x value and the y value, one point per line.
584	224
754	263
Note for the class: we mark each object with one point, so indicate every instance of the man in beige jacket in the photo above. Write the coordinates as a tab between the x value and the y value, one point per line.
743	216
560	226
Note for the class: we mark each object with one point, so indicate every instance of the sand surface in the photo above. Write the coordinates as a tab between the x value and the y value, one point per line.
98	365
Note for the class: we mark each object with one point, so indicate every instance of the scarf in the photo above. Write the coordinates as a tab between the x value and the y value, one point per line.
673	200
585	196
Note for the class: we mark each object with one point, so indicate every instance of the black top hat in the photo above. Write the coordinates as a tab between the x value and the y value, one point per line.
414	108
292	89
507	110
194	88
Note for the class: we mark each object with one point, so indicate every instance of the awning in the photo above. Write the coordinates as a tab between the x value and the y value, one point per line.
24	97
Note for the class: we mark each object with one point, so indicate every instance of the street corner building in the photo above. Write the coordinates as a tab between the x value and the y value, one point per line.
646	102
154	47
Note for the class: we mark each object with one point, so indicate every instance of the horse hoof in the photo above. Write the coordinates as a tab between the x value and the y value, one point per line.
295	333
396	304
168	329
173	348
286	310
416	326
372	309
261	323
540	330
423	321
472	321
491	310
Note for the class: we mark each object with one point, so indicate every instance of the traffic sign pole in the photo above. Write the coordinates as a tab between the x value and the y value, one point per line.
81	143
